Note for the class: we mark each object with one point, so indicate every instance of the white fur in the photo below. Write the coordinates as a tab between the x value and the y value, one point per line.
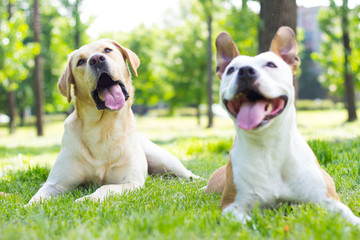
273	163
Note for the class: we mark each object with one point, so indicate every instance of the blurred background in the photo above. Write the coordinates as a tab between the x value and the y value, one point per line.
175	43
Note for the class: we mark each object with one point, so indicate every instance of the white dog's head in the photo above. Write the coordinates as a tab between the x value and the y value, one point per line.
255	90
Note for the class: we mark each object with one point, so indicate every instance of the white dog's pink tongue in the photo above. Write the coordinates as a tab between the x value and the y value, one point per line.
113	97
251	114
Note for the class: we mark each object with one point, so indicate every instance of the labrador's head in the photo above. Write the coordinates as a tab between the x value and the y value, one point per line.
100	75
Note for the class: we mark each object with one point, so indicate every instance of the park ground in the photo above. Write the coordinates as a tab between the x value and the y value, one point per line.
170	208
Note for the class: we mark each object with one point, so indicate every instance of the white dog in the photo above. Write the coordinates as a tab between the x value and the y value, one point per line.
270	162
100	143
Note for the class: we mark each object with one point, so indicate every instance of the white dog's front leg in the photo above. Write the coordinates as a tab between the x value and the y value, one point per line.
239	212
46	191
339	207
105	191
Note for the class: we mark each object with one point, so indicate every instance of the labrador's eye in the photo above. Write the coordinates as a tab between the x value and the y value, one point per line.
107	50
271	65
80	62
230	71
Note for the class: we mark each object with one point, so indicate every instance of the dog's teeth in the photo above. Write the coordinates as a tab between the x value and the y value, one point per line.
239	95
269	108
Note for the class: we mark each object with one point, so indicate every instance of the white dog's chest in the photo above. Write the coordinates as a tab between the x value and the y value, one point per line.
271	180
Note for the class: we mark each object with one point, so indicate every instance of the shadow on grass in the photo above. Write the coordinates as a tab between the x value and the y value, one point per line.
9	152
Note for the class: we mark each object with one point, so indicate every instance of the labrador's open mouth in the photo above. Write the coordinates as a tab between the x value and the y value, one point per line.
251	109
109	94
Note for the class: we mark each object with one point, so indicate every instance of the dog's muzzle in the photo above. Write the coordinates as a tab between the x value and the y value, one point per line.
109	94
251	109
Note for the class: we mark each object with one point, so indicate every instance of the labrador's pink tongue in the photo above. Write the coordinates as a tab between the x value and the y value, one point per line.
113	96
251	114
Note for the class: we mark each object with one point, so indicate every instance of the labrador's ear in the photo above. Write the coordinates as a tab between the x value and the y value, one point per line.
65	81
285	45
226	51
130	56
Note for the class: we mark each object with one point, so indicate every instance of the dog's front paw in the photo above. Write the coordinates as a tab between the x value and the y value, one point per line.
90	197
238	213
96	196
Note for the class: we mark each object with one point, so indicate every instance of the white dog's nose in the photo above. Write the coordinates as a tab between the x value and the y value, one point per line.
247	73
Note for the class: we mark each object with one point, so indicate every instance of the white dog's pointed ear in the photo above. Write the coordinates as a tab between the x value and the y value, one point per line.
130	56
226	51
285	45
65	80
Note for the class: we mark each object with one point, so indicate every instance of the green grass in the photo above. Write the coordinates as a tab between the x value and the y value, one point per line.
170	208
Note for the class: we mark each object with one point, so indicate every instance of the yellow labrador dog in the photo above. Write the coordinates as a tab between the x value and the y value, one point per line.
100	142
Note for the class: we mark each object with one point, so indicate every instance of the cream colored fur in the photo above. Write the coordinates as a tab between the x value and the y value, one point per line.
103	146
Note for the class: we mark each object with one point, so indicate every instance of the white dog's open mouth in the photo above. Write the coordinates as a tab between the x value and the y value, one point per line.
109	94
251	109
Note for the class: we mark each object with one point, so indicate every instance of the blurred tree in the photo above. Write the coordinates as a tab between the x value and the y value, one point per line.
151	86
15	55
78	30
187	71
38	73
242	25
11	93
274	14
208	8
348	75
340	52
309	85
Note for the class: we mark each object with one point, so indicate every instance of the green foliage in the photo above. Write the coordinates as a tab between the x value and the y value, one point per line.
16	56
331	56
241	24
151	86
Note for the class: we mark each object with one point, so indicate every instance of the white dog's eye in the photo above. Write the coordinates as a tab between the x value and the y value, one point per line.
230	70
107	50
80	62
271	65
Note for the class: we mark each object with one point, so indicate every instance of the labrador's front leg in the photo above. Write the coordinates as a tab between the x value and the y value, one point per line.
46	191
65	174
105	191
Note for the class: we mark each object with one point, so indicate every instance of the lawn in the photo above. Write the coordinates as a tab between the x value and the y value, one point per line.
170	208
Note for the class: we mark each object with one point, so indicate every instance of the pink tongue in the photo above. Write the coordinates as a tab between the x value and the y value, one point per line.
113	96
251	114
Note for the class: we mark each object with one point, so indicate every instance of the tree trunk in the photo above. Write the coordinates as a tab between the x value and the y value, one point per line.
244	5
38	75
198	114
209	73
348	75
11	108
11	93
22	117
274	14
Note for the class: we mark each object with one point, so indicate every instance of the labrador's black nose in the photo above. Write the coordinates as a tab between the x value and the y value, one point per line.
97	60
